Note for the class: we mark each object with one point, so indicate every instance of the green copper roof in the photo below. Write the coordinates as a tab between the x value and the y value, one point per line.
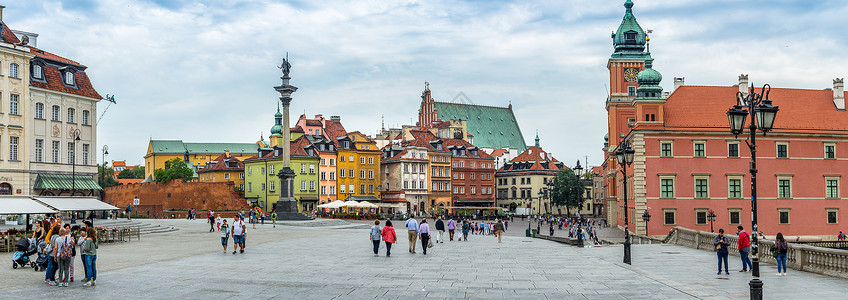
649	80
491	127
629	39
277	129
65	182
179	147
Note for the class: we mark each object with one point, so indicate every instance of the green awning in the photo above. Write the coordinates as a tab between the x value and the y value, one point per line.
363	198
65	182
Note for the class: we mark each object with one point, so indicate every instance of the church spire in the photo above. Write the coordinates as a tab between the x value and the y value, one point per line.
537	138
629	39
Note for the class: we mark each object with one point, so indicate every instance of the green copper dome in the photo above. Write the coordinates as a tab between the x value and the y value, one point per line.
629	39
277	129
649	80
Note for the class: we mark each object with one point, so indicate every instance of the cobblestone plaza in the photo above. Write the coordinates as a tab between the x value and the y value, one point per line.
334	261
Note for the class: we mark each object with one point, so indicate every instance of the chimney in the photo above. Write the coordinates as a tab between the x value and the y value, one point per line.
743	84
839	93
678	82
336	119
1	12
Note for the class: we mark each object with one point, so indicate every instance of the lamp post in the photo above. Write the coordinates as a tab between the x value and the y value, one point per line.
624	155
74	163
759	107
711	217
539	221
579	170
647	218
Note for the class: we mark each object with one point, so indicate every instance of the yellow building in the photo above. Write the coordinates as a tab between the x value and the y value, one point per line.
224	168
358	168
197	154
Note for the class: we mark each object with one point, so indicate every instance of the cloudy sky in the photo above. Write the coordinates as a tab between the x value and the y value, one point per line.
204	71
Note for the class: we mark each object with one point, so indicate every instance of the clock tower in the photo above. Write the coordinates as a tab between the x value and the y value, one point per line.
624	65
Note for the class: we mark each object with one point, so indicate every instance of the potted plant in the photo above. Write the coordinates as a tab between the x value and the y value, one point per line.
12	220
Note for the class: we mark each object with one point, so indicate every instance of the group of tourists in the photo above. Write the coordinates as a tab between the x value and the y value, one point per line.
779	250
238	230
421	231
59	243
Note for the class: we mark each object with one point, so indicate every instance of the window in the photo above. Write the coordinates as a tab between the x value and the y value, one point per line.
734	216
473	189
39	150
250	187
361	174
832	187
405	184
702	188
782	216
669	217
332	190
303	185
700	150
271	170
414	184
362	160
37	72
69	78
55	154
71	155
302	168
733	150
342	158
665	149
241	186
311	168
342	173
85	118
39	110
13	148
332	162
832	216
262	186
630	36
85	148
362	189
782	150
13	70
71	115
250	171
370	188
370	160
323	162
701	217
350	158
342	189
312	185
13	104
370	174
323	175
829	151
56	116
332	175
631	91
241	176
784	188
261	170
350	188
227	176
734	188
667	187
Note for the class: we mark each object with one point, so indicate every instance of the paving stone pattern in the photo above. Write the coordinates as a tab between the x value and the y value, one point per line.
335	263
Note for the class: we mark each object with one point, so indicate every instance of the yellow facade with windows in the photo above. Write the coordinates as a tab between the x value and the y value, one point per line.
358	164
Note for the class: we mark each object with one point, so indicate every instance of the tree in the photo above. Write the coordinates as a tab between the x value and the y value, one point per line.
567	190
105	178
174	169
134	173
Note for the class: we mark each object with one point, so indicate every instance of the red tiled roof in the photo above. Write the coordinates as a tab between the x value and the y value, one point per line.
335	130
296	129
705	108
54	82
313	122
221	164
51	56
8	35
597	170
535	155
119	163
460	142
498	152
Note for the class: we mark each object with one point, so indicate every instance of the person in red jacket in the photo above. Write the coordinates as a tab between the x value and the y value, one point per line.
389	236
744	248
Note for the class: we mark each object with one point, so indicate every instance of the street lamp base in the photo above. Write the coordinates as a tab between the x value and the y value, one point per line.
756	289
627	251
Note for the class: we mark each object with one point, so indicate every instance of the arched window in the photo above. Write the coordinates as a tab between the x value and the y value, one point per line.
39	110
5	189
37	72
69	78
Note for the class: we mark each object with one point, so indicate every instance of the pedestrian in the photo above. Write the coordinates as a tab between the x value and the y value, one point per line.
129	212
90	250
389	236
466	226
73	232
424	233
210	216
720	244
254	218
225	234
218	222
80	241
376	233
274	218
52	267
840	236
451	227
440	230
744	248
262	216
782	249
499	229
62	255
237	230
412	231
506	225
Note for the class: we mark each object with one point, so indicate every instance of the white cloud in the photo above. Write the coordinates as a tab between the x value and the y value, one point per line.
205	71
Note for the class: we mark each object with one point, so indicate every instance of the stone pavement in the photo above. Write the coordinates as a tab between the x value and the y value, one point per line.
327	263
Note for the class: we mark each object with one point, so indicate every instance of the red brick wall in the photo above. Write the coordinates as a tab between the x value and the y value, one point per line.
178	195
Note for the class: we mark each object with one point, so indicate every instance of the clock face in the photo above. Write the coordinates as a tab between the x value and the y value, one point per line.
630	74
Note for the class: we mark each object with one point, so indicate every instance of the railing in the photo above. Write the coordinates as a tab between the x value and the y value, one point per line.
827	244
121	234
802	257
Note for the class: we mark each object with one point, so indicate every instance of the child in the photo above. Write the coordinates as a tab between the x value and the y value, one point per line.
225	233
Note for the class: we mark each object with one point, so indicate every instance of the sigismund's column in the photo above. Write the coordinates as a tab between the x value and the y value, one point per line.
287	203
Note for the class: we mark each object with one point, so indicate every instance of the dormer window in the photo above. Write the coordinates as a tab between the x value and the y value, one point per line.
37	72
69	78
630	36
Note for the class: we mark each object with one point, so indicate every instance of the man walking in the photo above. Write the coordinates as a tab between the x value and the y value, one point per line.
412	230
238	229
440	230
274	217
451	227
210	215
499	229
744	248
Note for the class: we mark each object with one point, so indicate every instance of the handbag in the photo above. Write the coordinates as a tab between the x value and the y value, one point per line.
430	244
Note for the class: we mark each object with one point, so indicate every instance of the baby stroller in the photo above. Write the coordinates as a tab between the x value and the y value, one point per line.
24	248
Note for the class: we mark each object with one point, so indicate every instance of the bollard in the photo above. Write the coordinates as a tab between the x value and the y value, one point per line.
756	289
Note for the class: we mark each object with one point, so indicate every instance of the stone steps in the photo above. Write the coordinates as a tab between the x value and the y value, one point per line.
144	228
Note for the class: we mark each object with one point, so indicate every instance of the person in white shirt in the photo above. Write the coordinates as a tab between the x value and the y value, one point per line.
238	228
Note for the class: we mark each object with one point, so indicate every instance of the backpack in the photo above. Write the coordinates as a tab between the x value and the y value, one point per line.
65	249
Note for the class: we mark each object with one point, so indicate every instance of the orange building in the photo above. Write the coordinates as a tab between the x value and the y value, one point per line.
224	168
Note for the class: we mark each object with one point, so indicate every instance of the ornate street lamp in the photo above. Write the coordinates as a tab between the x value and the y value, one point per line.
758	106
579	171
711	217
625	155
647	218
74	163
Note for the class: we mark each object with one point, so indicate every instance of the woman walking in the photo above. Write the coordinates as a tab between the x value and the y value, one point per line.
424	234
466	226
782	248
225	234
90	251
389	237
376	233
